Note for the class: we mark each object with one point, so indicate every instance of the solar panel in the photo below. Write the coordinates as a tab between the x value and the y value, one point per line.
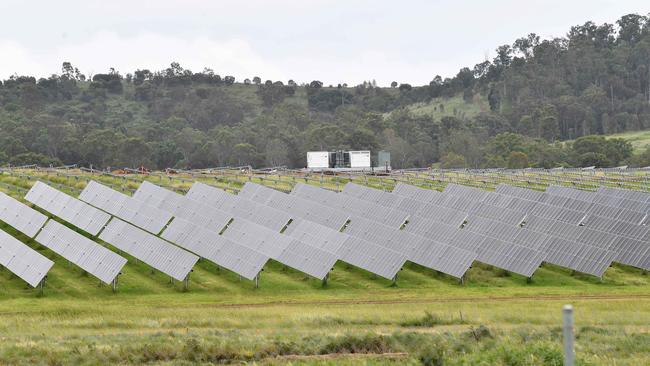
20	216
385	215
416	193
296	206
317	235
239	206
578	256
524	193
356	251
159	197
83	252
22	260
216	248
126	208
372	257
625	193
502	214
474	194
308	259
72	210
150	249
510	209
373	195
570	192
203	215
408	205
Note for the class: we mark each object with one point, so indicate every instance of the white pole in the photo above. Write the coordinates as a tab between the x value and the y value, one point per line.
567	335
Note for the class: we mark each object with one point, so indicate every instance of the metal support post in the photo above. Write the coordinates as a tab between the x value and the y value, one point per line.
567	335
186	282
114	284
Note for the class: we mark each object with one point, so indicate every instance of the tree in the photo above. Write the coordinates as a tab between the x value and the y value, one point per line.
316	84
257	80
134	152
405	87
245	154
393	84
452	161
229	80
517	160
276	153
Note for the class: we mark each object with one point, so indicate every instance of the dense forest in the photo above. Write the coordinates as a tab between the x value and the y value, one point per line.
538	103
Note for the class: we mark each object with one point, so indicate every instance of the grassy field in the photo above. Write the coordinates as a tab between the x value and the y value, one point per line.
494	318
640	140
454	106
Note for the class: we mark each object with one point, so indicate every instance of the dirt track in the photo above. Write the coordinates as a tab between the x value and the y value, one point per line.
432	301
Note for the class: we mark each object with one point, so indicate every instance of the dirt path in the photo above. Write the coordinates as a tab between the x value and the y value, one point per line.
432	301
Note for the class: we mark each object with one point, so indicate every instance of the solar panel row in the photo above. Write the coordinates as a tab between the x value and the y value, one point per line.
312	228
70	209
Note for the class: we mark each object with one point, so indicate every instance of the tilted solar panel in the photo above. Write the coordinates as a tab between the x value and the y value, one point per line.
317	235
372	257
156	252
126	208
239	206
216	248
20	216
72	210
22	260
385	215
570	192
308	259
159	197
474	194
408	205
356	251
296	206
83	252
416	193
625	193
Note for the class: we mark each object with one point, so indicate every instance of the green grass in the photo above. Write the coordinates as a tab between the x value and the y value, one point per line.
454	106
640	140
494	318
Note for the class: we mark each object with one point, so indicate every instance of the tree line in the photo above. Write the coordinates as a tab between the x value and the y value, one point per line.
547	101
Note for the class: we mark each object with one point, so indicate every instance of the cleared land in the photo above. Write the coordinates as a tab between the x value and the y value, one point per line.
495	318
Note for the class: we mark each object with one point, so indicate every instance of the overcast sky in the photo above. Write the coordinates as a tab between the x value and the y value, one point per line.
332	41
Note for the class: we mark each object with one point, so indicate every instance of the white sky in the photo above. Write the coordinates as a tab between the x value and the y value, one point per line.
332	41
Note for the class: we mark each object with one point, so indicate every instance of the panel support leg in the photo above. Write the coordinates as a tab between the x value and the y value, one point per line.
114	284
529	279
394	283
41	285
462	280
186	283
325	279
257	281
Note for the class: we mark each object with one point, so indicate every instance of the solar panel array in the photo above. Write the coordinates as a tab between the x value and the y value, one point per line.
312	228
126	208
150	249
72	210
196	228
328	222
83	252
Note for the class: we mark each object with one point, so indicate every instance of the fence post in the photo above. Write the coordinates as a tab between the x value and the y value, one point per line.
567	335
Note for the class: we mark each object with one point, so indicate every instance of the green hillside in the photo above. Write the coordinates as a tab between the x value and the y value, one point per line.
512	111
